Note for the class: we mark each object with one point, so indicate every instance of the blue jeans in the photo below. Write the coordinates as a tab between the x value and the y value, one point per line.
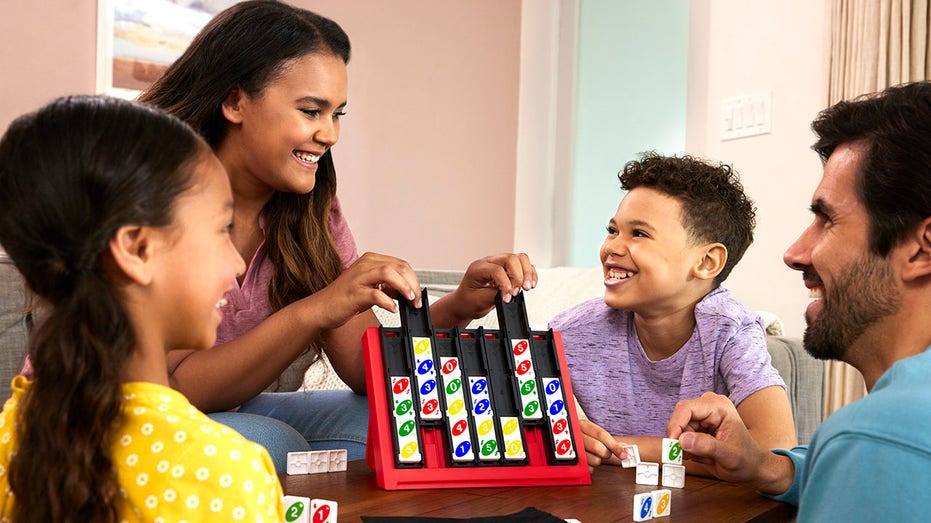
285	422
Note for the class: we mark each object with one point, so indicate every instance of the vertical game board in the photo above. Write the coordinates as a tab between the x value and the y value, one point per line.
455	408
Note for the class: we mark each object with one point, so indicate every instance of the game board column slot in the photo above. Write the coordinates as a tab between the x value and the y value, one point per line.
416	324
512	317
475	374
460	432
515	328
503	392
406	440
560	443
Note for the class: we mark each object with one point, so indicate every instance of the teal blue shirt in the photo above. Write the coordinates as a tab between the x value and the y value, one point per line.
871	460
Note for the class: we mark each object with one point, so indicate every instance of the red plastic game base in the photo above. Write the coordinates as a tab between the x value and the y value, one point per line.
434	472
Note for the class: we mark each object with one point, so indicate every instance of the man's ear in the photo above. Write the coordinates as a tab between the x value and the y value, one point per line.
714	256
232	106
131	249
919	252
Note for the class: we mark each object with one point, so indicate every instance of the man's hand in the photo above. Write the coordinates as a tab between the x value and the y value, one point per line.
711	432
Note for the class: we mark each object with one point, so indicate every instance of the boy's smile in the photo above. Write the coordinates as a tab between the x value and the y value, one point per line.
616	274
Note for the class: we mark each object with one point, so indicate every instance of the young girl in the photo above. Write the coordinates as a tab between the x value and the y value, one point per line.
104	204
265	84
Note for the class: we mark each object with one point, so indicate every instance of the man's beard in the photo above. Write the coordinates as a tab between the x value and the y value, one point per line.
863	295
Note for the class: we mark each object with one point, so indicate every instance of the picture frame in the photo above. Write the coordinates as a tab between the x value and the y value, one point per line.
138	39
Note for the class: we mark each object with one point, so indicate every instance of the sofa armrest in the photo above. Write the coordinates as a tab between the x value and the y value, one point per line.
14	301
804	377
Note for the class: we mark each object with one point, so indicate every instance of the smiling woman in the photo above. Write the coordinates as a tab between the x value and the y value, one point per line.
269	135
265	83
272	120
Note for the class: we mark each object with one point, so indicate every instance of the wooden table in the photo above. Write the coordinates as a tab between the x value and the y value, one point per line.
609	498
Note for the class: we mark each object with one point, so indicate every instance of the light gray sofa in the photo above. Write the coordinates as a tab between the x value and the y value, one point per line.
14	300
558	289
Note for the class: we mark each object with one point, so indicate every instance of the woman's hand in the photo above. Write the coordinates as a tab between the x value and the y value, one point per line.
374	279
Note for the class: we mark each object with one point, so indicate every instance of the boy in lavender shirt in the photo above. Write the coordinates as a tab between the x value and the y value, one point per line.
666	330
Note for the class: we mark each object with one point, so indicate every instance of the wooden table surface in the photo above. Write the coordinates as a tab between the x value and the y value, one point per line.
608	498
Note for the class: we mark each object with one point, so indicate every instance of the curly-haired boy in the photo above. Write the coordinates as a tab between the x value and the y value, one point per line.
666	330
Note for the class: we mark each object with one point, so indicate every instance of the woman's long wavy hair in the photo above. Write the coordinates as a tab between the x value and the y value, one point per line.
71	174
246	47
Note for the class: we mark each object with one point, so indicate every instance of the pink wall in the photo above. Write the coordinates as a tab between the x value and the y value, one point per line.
47	49
428	156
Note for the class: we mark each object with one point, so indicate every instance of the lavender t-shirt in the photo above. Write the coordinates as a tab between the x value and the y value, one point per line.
627	394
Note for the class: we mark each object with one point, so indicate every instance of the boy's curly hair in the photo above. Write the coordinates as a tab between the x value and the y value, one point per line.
714	205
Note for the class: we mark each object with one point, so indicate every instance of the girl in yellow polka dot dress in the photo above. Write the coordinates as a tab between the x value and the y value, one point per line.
118	216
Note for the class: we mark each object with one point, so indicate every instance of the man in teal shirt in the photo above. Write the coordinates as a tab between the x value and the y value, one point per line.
866	259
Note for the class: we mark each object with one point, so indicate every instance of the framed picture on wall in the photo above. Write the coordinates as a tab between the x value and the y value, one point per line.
138	39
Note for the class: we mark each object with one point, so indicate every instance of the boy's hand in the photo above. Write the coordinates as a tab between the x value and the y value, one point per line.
505	273
601	448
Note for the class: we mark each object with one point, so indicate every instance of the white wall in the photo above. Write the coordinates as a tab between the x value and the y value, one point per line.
745	46
546	129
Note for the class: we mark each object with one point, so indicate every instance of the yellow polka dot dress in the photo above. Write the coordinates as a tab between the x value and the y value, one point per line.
174	463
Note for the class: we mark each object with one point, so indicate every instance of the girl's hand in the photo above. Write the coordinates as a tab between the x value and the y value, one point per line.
374	279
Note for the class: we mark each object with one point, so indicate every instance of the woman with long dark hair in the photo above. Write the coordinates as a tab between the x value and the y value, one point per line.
265	84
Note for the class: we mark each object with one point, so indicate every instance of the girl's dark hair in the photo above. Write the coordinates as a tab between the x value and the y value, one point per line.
894	179
246	47
71	174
